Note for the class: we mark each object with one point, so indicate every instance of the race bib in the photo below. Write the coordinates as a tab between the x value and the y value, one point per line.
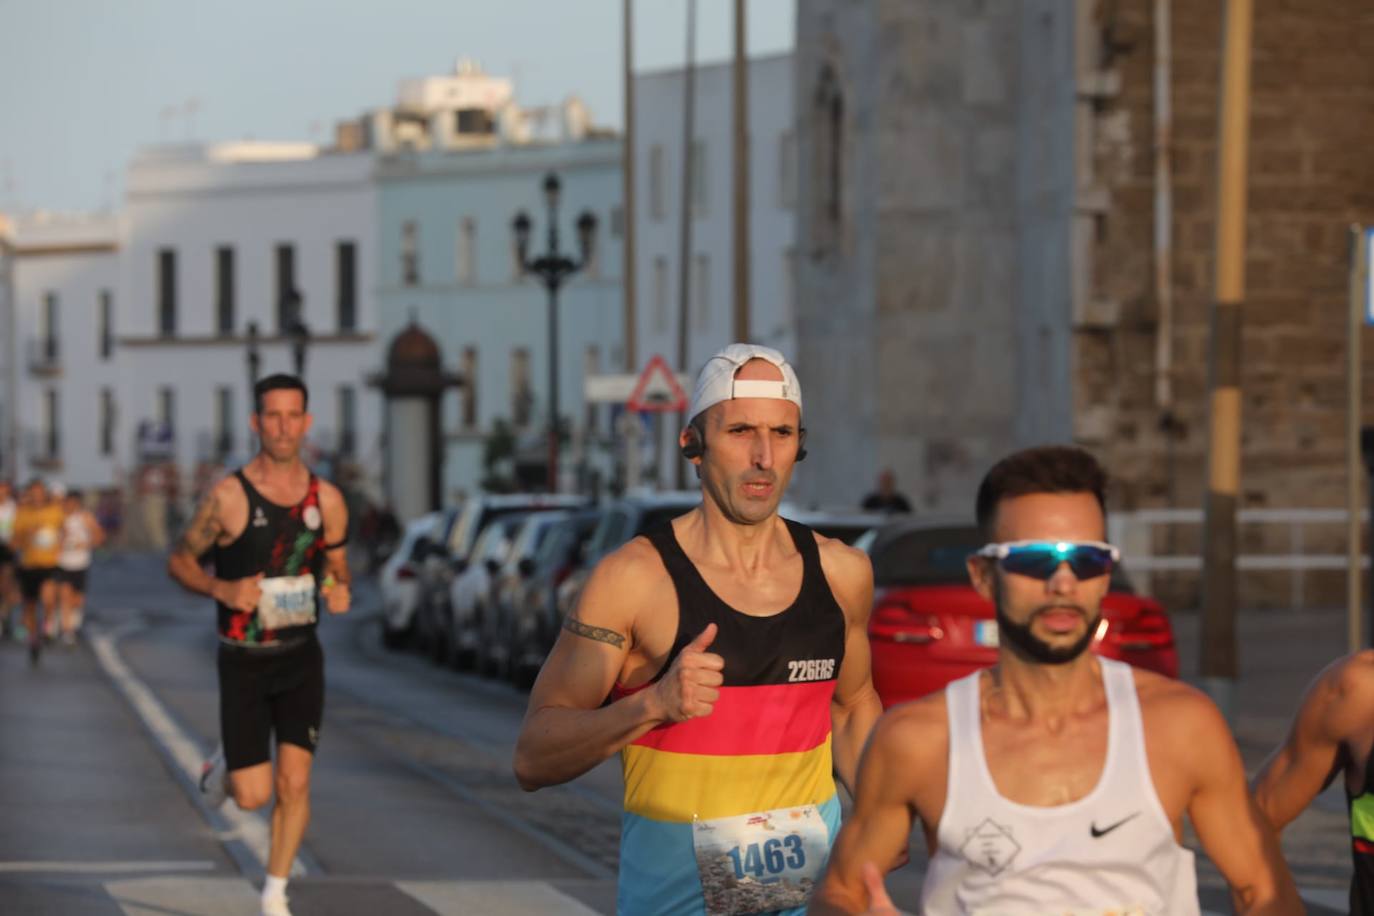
287	601
755	863
45	538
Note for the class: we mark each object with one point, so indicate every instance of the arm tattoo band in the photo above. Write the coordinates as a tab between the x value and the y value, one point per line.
600	634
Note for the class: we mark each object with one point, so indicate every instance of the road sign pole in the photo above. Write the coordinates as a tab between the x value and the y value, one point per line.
1360	304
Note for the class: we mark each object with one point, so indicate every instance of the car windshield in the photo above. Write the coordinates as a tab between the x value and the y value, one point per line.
936	556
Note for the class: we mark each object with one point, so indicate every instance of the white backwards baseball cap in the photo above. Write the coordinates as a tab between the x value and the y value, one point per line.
716	381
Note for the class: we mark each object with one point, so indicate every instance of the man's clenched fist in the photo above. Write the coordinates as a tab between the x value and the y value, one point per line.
690	688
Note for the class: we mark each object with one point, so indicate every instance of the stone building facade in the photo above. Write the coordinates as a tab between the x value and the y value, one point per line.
984	218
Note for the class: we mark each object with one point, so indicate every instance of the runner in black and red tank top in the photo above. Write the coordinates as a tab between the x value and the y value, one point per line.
1332	734
276	535
733	645
279	541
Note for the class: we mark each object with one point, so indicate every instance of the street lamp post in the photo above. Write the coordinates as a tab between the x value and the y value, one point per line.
553	268
297	330
254	358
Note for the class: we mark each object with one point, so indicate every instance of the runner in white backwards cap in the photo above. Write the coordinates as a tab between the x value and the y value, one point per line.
733	647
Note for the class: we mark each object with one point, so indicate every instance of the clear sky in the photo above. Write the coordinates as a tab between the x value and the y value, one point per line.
84	83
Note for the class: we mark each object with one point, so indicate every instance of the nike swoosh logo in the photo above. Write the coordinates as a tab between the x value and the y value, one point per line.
1103	831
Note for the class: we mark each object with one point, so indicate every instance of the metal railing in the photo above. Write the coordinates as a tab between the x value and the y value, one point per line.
45	354
1135	533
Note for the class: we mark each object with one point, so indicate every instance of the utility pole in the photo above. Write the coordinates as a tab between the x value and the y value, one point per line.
1219	666
741	177
628	171
1354	468
685	251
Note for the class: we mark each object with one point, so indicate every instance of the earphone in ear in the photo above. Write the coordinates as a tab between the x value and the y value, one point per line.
693	448
801	445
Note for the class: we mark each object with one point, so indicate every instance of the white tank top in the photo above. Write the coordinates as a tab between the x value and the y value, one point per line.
1112	851
76	543
8	508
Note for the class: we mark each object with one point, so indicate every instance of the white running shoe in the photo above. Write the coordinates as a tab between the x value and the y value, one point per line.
214	776
275	906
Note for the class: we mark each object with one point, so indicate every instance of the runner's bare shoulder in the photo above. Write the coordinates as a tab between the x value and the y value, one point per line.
1181	721
627	580
913	740
849	572
1343	694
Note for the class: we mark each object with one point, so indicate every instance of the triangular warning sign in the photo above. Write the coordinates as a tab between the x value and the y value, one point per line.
657	390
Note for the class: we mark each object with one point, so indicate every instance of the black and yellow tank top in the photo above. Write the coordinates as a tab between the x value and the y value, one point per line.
282	542
1362	845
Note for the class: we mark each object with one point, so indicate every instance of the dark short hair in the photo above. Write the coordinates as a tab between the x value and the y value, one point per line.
76	494
279	382
1043	469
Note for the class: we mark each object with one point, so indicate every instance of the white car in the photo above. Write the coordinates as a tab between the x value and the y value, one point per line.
471	589
399	582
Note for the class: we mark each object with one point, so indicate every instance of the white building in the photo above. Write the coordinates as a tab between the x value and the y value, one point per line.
219	237
59	283
658	209
447	262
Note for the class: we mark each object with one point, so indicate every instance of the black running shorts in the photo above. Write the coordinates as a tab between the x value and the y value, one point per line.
31	579
269	690
76	578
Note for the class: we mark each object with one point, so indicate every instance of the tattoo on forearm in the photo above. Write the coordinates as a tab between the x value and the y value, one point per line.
600	634
203	529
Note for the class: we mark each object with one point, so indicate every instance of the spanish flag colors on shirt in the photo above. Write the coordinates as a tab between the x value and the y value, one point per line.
765	745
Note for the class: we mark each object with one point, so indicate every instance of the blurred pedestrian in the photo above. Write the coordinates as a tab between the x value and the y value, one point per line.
9	592
38	539
886	498
81	534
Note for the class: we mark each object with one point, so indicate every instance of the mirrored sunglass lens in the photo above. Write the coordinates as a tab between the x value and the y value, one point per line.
1089	562
1040	562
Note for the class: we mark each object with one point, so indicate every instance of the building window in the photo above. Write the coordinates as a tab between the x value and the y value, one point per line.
593	266
346	269
828	165
348	420
410	254
49	342
224	422
52	424
702	282
787	170
224	290
656	208
467	251
660	295
617	222
106	329
522	397
789	287
107	421
469	392
591	366
167	409
166	292
287	298
474	121
700	177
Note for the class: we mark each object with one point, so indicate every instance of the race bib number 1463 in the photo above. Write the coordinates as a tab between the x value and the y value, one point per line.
760	862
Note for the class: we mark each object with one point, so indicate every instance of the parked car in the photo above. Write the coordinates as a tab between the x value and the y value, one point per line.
929	626
448	558
399	580
529	606
847	525
455	639
621	521
491	618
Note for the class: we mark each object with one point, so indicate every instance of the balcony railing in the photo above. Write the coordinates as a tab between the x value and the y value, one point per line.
45	355
43	449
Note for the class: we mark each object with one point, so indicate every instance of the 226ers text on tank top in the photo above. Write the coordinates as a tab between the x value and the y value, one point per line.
1112	851
735	812
286	544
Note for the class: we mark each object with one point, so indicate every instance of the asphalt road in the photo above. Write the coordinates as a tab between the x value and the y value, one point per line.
414	808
